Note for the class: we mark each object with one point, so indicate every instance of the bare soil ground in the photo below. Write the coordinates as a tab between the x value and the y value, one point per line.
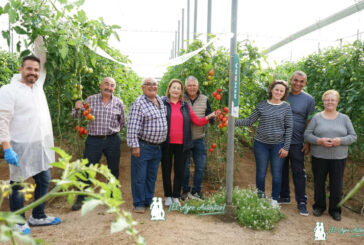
94	228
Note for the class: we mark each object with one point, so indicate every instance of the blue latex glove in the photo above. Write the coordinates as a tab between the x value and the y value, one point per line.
11	157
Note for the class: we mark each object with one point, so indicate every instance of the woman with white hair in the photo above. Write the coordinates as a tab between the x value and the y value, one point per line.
330	133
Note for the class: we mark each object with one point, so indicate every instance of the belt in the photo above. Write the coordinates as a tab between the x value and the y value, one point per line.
148	143
103	136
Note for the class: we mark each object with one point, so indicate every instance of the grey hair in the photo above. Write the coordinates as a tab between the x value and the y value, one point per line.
191	78
148	79
300	73
109	78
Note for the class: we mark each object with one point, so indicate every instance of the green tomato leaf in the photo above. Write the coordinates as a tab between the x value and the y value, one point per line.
25	53
89	206
64	51
12	218
79	3
19	30
119	225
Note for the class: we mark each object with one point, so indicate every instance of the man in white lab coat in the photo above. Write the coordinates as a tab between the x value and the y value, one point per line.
26	136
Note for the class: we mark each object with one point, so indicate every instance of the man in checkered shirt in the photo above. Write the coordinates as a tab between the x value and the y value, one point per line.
146	130
103	132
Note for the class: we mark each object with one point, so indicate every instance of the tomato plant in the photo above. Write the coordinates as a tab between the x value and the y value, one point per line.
74	70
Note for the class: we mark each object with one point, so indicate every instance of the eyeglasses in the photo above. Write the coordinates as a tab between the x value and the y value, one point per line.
151	84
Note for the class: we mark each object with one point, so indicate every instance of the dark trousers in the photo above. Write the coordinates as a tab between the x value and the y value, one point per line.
172	154
16	198
296	158
335	169
109	146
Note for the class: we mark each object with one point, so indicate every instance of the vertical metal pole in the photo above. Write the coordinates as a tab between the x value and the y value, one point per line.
9	36
209	7
195	22
183	27
173	50
188	22
178	35
175	44
230	150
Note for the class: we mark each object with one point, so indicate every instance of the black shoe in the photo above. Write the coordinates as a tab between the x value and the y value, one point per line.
196	195
184	196
336	216
78	204
317	212
284	200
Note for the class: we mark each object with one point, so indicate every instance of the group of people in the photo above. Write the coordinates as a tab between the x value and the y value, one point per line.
168	129
286	134
165	129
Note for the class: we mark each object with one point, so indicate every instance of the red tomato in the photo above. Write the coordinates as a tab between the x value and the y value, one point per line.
89	116
213	145
225	123
218	97
211	149
214	94
76	128
86	105
226	109
221	117
219	90
220	125
85	113
224	119
85	131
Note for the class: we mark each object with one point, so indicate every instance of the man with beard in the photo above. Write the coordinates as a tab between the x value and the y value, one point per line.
26	136
103	131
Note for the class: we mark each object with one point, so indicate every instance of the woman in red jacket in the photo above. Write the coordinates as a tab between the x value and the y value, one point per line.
179	139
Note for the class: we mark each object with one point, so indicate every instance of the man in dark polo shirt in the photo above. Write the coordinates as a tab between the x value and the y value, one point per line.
103	132
302	105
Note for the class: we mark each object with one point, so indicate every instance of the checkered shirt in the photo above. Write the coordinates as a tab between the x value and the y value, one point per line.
109	119
146	122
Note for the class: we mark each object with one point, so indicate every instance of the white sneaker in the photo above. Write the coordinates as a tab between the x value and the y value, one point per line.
274	203
175	200
49	220
24	228
168	201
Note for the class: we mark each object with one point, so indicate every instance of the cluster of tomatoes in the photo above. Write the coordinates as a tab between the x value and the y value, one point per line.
81	130
217	94
223	118
88	116
87	112
213	146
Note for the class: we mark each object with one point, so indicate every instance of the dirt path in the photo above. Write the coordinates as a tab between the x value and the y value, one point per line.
94	228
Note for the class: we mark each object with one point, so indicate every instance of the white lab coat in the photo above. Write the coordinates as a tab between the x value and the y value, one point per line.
25	122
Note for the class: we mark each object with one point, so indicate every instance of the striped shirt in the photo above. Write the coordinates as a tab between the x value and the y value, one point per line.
146	122
275	124
109	119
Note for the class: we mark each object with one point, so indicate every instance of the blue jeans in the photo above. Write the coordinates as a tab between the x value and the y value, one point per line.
16	198
110	146
297	159
199	158
264	153
144	171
